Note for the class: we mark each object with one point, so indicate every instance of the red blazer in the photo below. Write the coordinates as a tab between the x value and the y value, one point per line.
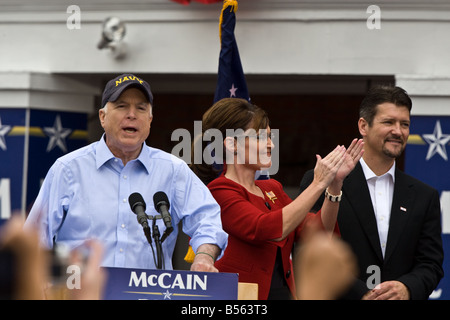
251	226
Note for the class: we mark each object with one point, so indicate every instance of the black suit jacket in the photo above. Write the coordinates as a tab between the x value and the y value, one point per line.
414	253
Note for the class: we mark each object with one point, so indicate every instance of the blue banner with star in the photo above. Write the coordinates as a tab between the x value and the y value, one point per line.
427	159
30	142
12	150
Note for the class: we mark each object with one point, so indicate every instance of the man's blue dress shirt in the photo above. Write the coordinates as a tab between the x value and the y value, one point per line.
85	196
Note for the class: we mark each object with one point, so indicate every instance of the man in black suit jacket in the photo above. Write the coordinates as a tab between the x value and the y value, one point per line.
399	251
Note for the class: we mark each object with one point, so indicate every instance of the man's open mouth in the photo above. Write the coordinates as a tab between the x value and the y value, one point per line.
130	130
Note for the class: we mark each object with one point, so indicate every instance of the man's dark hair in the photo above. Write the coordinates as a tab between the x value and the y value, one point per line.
382	94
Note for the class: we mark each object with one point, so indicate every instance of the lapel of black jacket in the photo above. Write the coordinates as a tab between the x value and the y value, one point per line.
402	203
357	194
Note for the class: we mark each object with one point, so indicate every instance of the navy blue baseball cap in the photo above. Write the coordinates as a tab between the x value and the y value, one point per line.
119	84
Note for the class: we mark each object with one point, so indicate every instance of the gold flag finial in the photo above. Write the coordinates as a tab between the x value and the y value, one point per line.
227	3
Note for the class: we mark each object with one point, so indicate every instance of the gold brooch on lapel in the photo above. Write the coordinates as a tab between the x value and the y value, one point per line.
272	197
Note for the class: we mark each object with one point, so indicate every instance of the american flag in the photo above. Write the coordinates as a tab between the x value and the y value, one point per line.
231	81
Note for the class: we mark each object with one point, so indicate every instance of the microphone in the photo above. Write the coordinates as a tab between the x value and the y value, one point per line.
162	205
137	205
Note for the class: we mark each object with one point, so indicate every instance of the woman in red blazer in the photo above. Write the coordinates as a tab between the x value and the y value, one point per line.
262	222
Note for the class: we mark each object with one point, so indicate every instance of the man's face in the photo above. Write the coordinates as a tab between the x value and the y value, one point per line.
388	134
127	122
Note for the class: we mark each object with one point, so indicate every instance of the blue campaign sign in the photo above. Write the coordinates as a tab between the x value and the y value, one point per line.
427	158
52	135
12	142
135	284
30	142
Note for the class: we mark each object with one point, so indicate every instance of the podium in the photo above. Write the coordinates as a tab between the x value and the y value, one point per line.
136	284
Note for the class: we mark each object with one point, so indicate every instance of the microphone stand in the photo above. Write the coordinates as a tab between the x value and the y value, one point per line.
147	233
136	199
156	237
159	259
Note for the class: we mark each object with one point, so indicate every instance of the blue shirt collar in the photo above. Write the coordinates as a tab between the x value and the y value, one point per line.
103	155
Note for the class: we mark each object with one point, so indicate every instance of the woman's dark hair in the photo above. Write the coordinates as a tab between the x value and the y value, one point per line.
227	113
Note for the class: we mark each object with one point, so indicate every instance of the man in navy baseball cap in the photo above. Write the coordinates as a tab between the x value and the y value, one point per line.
84	195
116	86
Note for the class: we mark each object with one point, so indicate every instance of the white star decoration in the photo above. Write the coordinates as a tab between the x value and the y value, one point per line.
167	295
233	91
57	135
3	132
437	142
